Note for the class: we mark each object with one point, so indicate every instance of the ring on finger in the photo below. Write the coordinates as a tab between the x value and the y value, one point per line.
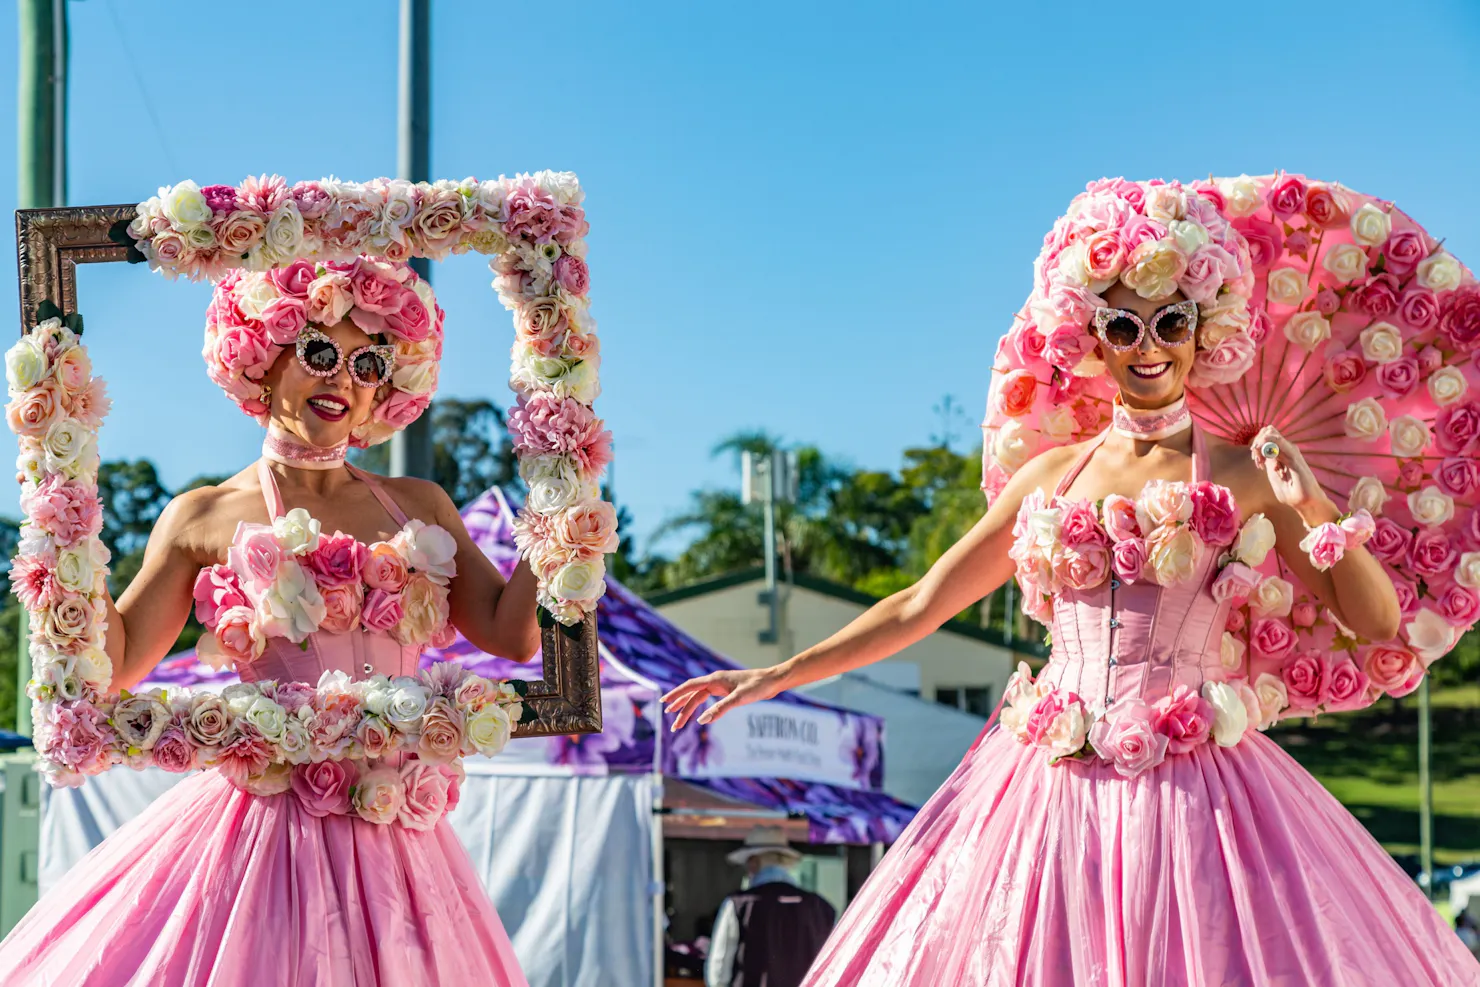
1270	450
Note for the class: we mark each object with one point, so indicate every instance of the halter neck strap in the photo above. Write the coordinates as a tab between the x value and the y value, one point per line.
274	498
1200	468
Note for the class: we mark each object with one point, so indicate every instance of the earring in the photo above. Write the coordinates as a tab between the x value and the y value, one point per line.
266	397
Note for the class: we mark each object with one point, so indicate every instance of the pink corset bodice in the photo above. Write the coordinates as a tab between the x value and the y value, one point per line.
1139	639
363	624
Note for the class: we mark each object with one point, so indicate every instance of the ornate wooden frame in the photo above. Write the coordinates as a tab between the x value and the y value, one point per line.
50	243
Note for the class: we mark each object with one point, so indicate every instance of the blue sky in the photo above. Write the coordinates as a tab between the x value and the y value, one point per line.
813	218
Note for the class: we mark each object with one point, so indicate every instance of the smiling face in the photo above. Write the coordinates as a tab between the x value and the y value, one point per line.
1150	375
320	411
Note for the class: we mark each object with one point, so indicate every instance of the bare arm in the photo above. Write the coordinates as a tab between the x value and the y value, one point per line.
968	571
1356	589
497	617
147	620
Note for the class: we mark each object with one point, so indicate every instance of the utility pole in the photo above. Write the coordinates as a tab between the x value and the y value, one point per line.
770	479
411	447
1425	788
41	181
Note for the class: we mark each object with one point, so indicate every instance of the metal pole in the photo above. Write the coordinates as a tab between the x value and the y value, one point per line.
1425	789
411	447
41	181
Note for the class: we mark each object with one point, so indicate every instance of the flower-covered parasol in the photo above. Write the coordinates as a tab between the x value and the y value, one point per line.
1365	331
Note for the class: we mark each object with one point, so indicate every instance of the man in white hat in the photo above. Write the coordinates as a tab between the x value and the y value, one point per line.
768	934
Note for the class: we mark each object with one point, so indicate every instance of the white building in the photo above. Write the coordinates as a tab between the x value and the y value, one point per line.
960	666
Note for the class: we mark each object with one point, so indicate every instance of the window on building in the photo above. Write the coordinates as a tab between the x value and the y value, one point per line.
973	699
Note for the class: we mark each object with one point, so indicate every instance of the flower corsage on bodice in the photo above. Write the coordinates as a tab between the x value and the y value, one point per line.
288	580
1163	537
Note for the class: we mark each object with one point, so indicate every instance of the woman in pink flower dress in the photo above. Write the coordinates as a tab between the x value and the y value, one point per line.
313	850
1123	821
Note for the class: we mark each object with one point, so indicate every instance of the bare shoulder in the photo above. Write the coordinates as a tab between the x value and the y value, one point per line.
1233	467
421	499
198	521
1043	472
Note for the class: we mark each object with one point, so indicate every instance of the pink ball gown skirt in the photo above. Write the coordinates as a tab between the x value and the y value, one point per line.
1218	867
212	886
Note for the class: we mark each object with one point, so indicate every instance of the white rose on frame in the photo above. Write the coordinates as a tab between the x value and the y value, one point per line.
553	483
1368	494
1382	342
1431	506
1365	420
1371	225
184	205
1410	435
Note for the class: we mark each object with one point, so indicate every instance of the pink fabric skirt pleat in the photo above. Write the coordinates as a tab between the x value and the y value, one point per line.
212	886
1225	867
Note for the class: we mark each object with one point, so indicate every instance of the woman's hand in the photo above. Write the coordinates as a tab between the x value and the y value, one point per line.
733	688
1291	479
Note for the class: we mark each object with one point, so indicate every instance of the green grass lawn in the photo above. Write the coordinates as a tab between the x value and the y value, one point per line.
1369	761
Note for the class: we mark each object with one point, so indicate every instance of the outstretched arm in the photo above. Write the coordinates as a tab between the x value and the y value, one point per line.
498	617
968	571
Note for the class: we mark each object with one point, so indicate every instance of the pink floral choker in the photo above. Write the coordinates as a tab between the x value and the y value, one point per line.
279	447
1153	425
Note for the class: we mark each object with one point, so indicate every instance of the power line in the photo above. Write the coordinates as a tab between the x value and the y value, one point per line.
128	56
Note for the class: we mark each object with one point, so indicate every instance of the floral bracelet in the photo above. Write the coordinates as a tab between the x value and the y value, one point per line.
1327	543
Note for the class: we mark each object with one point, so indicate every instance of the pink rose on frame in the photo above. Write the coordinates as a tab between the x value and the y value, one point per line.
1125	737
323	788
1184	718
67	510
1270	639
1307	679
173	751
572	274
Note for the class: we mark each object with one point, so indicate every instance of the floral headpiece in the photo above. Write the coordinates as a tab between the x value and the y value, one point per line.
1048	388
253	317
1153	237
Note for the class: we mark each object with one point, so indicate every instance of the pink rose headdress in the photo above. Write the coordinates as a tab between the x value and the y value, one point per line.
254	316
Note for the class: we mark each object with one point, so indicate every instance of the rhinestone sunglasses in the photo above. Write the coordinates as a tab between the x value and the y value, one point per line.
1123	330
369	366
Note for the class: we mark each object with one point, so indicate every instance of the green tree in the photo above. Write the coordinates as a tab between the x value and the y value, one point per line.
471	450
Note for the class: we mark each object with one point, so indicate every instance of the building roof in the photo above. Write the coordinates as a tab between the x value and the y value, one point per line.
837	591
